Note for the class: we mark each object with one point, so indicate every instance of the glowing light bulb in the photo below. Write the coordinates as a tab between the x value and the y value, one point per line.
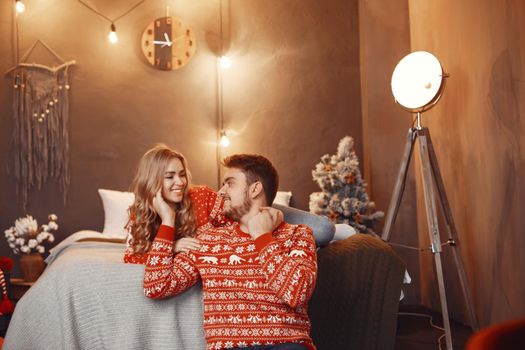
225	62
225	141
417	81
20	7
112	37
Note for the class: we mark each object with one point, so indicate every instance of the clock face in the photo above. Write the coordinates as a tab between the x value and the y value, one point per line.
167	43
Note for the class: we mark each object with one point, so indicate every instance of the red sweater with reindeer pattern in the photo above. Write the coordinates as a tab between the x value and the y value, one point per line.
256	292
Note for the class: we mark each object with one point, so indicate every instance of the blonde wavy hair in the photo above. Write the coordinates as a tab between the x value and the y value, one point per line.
144	221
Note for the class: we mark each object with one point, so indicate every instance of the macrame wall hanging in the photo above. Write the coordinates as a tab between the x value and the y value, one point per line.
41	124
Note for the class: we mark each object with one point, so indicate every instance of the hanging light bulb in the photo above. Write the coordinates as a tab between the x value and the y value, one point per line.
19	6
112	37
225	141
225	62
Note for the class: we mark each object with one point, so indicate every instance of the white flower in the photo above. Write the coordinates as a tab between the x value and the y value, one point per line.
32	243
42	236
25	237
25	226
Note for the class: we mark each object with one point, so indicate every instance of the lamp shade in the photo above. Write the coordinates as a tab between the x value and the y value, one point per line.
417	81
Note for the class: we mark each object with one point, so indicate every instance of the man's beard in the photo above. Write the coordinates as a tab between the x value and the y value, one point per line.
237	212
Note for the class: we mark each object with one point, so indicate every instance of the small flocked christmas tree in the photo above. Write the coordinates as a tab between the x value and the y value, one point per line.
343	196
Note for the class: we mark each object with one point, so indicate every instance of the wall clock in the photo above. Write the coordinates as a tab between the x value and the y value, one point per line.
168	43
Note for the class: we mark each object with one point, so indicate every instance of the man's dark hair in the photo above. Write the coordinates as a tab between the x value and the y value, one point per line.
256	168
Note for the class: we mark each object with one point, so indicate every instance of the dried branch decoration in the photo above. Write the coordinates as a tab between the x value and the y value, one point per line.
41	128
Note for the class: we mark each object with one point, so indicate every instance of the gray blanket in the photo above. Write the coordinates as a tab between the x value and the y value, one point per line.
89	299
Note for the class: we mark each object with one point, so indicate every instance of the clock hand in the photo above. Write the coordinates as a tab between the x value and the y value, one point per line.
163	43
168	42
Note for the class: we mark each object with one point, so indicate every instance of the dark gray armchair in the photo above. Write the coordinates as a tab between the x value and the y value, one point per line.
356	299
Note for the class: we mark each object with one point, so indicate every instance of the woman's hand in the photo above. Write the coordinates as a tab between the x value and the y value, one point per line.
164	210
186	244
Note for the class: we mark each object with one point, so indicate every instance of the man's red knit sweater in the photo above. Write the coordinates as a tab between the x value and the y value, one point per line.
256	292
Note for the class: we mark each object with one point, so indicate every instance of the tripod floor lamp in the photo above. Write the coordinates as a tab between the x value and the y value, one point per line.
417	84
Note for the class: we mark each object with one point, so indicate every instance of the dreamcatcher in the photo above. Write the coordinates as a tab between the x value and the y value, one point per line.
41	124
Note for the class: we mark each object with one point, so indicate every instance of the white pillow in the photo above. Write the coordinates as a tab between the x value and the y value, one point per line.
343	231
283	198
116	204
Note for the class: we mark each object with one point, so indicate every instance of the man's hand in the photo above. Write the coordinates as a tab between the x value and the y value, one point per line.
186	244
164	210
266	220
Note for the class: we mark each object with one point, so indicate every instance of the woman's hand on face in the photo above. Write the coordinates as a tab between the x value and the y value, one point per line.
186	244
164	210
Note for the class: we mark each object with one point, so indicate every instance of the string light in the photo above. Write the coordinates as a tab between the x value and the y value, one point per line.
225	62
225	141
19	6
113	37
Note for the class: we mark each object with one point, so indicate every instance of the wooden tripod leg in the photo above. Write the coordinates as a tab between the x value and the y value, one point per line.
433	227
399	187
451	228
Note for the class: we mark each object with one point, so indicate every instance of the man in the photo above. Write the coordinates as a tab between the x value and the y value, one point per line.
257	274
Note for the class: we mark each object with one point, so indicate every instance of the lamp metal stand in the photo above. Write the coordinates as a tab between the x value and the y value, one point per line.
430	170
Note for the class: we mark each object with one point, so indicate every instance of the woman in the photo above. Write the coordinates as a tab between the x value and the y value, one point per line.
164	200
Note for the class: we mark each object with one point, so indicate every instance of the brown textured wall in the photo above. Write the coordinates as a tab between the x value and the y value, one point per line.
292	93
477	129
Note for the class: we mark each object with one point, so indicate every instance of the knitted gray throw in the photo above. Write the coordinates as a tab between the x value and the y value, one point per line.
41	128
